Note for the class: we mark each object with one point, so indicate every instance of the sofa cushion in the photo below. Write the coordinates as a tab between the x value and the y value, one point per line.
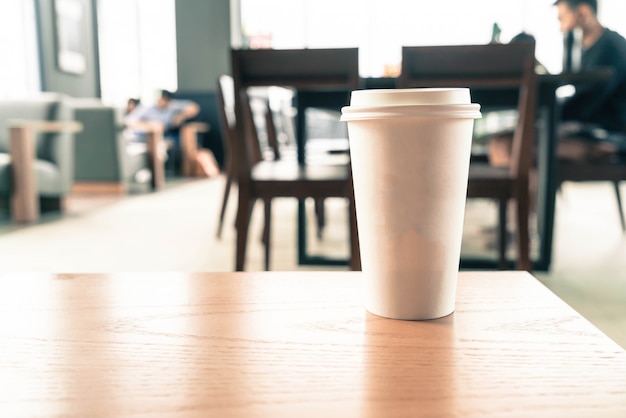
47	177
45	107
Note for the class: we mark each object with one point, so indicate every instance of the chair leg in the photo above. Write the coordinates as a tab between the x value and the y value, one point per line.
229	181
502	241
266	231
244	212
320	215
523	236
355	249
619	205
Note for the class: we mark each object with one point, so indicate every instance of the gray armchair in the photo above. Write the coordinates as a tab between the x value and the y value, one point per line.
34	127
104	158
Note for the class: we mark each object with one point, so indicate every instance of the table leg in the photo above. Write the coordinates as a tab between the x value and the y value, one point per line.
304	100
301	131
156	151
547	172
304	258
24	201
189	146
189	150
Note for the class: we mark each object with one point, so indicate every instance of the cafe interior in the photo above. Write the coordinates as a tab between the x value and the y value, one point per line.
154	216
142	239
127	49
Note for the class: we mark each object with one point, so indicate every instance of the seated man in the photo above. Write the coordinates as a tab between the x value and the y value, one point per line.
593	124
169	112
598	107
172	114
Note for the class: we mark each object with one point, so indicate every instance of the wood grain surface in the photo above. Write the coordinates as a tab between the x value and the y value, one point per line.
295	344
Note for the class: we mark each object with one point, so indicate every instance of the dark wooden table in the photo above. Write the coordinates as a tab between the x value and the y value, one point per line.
323	99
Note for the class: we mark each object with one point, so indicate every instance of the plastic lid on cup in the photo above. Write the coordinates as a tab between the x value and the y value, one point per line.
407	97
415	102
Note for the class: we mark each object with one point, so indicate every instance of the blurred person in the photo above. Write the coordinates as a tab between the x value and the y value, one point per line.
171	114
131	105
592	116
598	107
167	112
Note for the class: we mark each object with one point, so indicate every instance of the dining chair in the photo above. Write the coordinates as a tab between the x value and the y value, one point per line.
493	66
225	93
321	78
269	179
610	169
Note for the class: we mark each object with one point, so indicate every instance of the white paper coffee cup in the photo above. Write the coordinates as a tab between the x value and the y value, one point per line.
410	152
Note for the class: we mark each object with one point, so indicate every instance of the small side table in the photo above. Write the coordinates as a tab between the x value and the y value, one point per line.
24	200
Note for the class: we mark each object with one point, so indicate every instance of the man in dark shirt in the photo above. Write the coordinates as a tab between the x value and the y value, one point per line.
602	104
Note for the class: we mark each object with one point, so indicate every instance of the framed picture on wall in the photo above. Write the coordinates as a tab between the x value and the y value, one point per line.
69	21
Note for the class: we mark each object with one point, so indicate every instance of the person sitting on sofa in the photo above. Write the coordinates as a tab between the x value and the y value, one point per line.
172	113
131	105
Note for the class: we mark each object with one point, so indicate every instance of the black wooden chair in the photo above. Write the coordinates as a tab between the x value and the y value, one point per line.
226	113
494	66
611	168
321	78
268	179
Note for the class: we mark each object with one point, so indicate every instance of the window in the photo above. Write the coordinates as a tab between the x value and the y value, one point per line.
137	41
19	76
381	28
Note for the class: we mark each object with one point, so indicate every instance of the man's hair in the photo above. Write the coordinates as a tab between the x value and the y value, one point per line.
523	37
167	95
593	4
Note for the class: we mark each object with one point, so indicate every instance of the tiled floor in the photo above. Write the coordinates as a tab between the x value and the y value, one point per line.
174	230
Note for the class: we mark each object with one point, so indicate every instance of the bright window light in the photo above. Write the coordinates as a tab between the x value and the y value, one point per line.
380	28
137	42
19	74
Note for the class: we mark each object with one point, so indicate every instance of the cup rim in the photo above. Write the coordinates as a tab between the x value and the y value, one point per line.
454	111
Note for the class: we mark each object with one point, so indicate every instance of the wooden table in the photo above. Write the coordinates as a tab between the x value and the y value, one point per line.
295	345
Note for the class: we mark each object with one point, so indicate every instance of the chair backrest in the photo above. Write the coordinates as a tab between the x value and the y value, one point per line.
226	101
493	66
243	149
272	136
